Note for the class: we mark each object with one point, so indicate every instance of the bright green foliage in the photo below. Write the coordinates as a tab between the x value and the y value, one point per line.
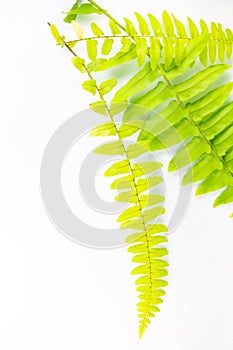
107	46
92	49
203	127
96	29
80	9
55	33
147	246
90	85
107	86
78	62
175	97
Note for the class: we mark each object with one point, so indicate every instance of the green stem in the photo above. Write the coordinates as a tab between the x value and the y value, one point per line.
105	12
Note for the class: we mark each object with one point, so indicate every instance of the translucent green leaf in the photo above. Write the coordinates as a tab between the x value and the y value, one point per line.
150	100
224	141
141	49
156	228
214	182
172	114
71	16
174	135
114	28
168	25
151	199
179	50
143	27
155	293
96	29
217	121
126	43
127	197
221	43
229	155
155	53
188	153
144	168
138	82
151	214
83	9
127	130
111	148
135	150
137	224
119	59
225	197
180	28
145	269
210	102
168	53
90	85
78	62
193	28
107	86
212	51
156	26
202	169
92	49
229	42
126	182
55	33
121	167
107	46
200	81
107	129
100	107
192	52
87	9
204	27
149	182
130	213
129	28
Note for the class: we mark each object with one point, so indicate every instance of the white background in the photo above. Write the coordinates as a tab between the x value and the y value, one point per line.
55	294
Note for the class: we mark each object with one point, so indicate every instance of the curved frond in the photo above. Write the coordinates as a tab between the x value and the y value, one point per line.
134	181
200	119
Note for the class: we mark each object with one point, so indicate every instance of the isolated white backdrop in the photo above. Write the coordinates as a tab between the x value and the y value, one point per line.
55	294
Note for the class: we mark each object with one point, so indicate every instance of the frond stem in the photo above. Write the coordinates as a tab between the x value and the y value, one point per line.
105	12
119	36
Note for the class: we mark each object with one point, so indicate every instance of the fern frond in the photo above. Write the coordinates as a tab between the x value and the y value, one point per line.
142	211
201	120
173	37
143	207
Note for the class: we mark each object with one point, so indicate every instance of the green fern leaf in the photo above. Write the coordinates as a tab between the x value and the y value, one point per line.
155	53
168	25
143	27
137	83
141	49
90	85
107	46
107	129
126	44
96	29
111	148
199	82
156	26
225	197
114	28
107	86
117	60
130	28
